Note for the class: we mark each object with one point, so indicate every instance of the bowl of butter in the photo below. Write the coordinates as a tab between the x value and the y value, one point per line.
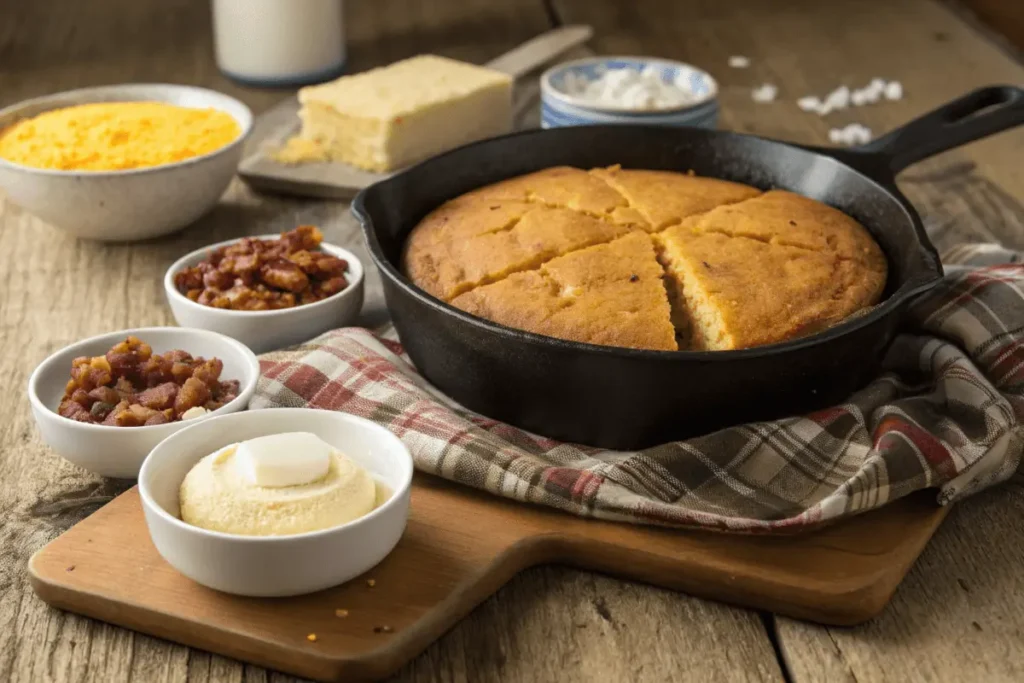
277	502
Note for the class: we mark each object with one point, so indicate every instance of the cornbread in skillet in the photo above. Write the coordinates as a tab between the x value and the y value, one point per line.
551	252
664	198
610	294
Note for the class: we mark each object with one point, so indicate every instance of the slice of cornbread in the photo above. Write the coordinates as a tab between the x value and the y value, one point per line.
482	245
788	219
393	116
736	292
611	294
567	187
665	197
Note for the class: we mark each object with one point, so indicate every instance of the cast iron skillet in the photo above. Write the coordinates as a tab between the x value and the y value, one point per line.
630	399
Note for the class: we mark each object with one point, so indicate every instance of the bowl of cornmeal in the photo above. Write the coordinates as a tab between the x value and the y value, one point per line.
122	162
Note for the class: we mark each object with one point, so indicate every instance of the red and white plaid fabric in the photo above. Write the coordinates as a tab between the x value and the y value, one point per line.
946	414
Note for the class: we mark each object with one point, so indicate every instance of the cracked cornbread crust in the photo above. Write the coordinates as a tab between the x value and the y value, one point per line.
646	259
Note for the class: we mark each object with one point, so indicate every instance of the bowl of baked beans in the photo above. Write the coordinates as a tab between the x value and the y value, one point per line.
105	402
267	291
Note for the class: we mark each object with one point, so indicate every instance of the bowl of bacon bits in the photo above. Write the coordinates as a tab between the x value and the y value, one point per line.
268	291
105	402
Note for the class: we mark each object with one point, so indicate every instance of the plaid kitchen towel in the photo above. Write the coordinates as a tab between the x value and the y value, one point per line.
945	414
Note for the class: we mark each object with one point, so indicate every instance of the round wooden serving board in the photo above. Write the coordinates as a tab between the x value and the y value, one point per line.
459	548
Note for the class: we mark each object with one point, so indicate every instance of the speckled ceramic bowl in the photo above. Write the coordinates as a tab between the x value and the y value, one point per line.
559	107
137	204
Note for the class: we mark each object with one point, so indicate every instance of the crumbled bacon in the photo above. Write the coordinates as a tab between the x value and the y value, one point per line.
130	386
258	275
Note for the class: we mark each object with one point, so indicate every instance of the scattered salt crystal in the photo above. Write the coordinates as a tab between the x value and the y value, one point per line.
739	62
764	93
858	98
809	103
893	90
853	134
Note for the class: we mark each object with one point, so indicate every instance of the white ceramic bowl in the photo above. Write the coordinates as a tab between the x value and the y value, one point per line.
560	107
136	204
276	566
119	451
264	331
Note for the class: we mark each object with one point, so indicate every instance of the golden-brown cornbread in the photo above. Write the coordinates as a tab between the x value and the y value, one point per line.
449	262
547	252
789	219
738	292
610	294
567	187
665	198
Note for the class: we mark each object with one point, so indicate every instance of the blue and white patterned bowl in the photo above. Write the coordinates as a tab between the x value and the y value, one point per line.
561	108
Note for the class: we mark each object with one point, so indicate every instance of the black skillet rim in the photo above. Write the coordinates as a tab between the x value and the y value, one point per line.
917	283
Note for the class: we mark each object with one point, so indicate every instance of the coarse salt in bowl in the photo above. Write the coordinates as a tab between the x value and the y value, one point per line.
638	90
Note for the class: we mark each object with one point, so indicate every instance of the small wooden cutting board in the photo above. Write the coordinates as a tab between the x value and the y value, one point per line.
460	546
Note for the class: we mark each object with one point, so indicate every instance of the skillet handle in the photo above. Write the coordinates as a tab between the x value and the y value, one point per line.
978	114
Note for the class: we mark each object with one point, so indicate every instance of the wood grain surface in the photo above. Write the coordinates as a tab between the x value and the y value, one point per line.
460	546
958	616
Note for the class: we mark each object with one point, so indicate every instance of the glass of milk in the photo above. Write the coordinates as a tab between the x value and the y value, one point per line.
279	43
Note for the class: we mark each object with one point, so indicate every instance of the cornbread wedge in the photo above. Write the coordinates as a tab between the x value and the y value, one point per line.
394	116
469	249
664	198
610	294
737	292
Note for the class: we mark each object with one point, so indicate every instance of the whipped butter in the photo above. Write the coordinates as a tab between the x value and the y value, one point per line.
276	485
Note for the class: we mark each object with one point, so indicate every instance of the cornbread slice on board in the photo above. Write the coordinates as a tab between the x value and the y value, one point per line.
785	218
611	294
666	197
449	255
393	116
568	187
739	292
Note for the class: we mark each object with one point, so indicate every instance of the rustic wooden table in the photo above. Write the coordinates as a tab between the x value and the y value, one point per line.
958	616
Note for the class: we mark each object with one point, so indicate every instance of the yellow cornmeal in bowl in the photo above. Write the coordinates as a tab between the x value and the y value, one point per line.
116	136
646	259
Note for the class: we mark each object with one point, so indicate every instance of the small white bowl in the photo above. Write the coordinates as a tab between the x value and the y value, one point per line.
264	331
276	566
119	451
559	107
135	204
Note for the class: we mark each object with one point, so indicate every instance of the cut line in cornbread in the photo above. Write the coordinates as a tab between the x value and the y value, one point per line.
610	294
566	187
789	219
741	268
449	256
393	116
737	292
666	197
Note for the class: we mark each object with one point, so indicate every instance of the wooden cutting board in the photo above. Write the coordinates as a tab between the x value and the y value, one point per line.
459	548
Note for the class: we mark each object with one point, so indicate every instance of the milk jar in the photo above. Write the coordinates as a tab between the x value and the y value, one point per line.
271	43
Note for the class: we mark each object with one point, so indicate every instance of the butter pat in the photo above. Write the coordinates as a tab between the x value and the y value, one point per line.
394	116
288	459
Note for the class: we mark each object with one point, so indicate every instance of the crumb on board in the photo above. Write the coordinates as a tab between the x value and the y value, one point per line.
342	613
371	582
299	150
311	637
71	568
383	629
